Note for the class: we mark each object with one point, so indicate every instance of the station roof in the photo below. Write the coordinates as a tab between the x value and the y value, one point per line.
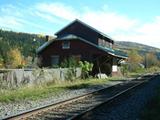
110	51
89	27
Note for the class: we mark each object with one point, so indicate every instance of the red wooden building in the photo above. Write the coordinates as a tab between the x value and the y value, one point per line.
85	43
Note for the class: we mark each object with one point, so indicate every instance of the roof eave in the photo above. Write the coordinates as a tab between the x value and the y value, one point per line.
57	39
90	27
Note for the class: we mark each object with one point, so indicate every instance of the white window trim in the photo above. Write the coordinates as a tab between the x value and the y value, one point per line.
66	47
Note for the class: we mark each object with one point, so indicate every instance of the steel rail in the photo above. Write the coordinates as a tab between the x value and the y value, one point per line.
47	107
44	108
111	99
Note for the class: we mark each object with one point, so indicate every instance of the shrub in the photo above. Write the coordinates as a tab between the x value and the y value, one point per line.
71	74
86	68
1	62
15	58
124	69
153	69
55	66
71	64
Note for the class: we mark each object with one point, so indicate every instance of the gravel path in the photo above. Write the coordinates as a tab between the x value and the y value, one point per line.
127	108
17	107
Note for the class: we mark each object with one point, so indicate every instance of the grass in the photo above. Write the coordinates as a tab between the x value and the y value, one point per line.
151	111
43	91
153	69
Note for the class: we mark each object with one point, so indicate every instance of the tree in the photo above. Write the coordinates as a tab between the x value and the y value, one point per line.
24	41
1	62
150	60
134	57
134	60
15	58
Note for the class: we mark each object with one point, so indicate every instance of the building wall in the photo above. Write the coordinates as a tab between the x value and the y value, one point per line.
81	31
104	43
102	61
77	47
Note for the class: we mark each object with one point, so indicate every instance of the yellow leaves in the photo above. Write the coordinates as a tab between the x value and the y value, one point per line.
134	57
151	59
1	62
15	58
41	35
1	65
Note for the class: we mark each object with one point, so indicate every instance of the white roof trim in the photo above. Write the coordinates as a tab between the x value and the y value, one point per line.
44	45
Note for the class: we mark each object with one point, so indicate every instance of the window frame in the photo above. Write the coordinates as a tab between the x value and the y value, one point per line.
57	59
66	45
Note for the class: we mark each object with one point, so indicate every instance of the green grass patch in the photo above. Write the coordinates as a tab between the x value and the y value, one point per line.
32	93
151	112
43	91
143	71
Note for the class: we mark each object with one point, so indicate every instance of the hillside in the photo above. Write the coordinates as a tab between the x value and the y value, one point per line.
28	43
141	48
134	45
25	43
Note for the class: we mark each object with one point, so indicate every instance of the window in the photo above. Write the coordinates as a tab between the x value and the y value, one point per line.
55	60
110	45
100	42
103	43
66	45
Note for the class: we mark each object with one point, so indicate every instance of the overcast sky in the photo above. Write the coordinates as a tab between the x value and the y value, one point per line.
122	20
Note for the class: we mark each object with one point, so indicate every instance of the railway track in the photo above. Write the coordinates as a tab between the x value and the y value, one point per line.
74	108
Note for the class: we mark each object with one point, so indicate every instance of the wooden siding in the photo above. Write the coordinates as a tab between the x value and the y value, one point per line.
77	47
82	31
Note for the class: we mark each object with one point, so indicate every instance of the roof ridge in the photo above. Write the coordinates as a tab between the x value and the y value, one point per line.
85	24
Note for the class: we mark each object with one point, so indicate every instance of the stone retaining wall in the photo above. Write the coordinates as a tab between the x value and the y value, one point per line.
12	78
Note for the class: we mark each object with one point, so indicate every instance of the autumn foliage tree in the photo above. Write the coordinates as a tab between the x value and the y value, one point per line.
134	57
15	58
150	60
1	62
134	60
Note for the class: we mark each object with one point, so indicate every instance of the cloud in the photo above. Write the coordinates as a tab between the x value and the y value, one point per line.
48	18
19	19
118	26
108	21
9	9
58	10
146	33
10	22
101	19
58	13
152	28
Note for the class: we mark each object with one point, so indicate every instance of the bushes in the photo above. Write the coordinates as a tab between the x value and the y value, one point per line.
15	59
86	68
1	62
131	67
72	63
71	74
153	69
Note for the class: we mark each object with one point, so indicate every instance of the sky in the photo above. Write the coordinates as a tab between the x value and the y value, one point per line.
122	20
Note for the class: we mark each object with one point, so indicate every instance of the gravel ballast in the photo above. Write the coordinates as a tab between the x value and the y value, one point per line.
9	109
128	108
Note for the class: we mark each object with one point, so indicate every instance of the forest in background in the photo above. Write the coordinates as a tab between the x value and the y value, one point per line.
18	50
